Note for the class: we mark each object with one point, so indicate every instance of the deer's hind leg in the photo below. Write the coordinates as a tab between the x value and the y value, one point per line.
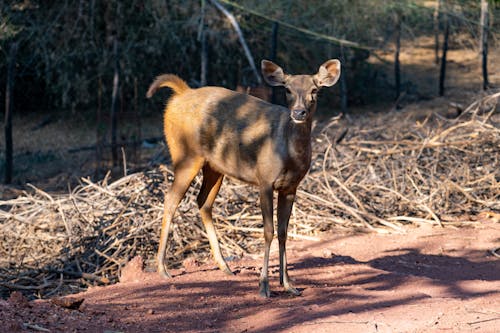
184	174
212	181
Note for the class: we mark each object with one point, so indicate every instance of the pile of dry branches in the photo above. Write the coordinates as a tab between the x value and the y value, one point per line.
387	170
415	166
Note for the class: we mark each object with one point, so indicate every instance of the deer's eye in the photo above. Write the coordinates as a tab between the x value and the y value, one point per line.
314	91
288	91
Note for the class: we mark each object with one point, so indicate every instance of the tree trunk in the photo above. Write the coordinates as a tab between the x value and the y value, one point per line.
114	104
204	60
99	129
442	74
9	89
272	55
436	30
138	122
343	82
203	41
397	68
484	41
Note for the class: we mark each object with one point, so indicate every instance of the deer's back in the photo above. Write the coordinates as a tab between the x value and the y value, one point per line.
238	135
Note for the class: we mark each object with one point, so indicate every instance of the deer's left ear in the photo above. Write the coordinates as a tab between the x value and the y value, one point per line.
273	74
328	73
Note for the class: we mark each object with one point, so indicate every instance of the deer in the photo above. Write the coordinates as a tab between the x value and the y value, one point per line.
227	133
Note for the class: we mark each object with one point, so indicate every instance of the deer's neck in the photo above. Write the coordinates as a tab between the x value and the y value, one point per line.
299	142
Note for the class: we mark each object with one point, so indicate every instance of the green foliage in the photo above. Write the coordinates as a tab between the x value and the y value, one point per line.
66	47
7	29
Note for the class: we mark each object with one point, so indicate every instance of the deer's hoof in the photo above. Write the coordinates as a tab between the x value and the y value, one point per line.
164	274
227	270
264	289
293	291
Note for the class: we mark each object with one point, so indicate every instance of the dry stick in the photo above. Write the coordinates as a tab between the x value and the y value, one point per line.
422	205
339	204
234	244
75	205
23	287
63	217
108	257
98	188
35	327
236	26
124	159
472	198
495	97
87	276
410	219
41	192
57	288
446	132
355	212
339	183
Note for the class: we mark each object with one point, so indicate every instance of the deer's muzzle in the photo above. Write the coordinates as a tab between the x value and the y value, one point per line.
299	115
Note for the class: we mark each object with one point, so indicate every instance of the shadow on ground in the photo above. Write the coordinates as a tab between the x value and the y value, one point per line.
332	287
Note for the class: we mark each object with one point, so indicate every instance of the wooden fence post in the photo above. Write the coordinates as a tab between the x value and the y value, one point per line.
442	73
203	41
397	67
9	90
436	30
138	122
272	56
114	108
99	129
343	82
484	41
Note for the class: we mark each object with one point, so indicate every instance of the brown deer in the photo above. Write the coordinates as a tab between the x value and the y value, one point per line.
223	132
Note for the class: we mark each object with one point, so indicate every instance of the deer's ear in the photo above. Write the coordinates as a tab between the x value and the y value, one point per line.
328	73
272	73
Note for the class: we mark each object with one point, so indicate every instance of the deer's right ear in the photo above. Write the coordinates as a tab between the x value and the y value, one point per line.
272	73
328	73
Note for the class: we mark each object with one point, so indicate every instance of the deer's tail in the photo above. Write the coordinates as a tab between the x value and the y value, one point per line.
172	81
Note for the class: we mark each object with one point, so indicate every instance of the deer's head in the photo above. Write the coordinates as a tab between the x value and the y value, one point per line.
301	90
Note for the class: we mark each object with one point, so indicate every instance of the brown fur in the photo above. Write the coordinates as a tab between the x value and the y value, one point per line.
172	81
224	132
261	92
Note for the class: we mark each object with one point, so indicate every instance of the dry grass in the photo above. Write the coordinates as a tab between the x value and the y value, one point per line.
388	170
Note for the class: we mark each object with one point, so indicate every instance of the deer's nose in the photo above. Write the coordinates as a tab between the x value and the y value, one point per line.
299	114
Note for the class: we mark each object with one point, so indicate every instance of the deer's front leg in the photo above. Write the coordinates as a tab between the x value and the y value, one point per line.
266	205
285	203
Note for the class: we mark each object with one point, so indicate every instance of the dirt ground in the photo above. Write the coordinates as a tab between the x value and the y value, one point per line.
428	279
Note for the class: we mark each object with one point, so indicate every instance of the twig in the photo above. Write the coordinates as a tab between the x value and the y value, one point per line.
35	327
